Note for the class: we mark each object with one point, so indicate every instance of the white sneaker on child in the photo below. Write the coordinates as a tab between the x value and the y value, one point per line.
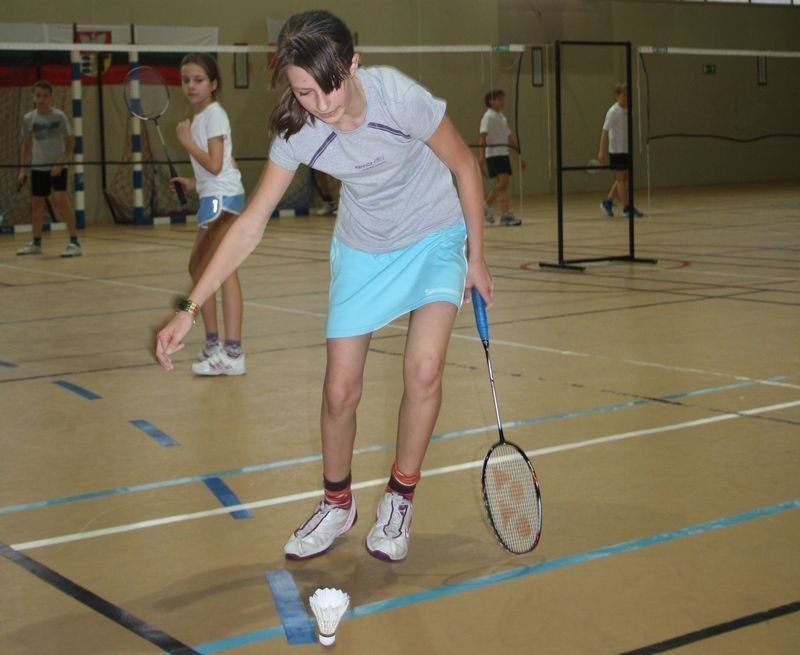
220	363
30	249
72	250
388	539
319	532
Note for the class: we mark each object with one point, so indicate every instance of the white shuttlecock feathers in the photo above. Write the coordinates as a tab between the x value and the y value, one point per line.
328	606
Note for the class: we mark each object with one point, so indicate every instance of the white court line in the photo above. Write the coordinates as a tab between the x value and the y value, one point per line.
403	328
455	468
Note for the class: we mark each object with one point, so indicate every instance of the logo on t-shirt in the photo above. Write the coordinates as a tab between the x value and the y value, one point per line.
380	159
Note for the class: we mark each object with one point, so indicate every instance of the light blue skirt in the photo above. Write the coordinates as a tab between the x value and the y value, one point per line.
370	290
212	206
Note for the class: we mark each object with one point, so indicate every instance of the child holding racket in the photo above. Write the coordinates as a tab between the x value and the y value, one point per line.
207	139
398	247
494	140
48	142
614	138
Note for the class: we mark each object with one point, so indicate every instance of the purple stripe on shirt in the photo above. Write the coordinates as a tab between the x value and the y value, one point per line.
322	148
390	130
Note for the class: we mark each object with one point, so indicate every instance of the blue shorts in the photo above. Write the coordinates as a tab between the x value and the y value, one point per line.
370	290
212	206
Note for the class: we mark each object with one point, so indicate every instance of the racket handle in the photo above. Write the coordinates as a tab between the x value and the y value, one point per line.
480	315
178	187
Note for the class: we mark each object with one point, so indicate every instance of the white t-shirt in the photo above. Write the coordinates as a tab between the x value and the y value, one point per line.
495	126
616	124
395	190
48	133
209	123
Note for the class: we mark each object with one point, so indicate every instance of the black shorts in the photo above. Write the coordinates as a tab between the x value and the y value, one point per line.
618	160
42	182
497	165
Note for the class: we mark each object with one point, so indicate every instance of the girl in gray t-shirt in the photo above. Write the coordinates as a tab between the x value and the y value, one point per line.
398	247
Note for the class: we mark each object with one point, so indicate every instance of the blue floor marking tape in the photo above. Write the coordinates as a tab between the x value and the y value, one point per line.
151	430
227	498
8	364
517	573
74	388
310	459
294	618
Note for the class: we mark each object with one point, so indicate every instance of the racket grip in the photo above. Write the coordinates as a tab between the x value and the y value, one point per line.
181	194
480	315
178	187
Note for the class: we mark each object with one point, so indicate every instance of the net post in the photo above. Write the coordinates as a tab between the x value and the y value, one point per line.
629	121
136	149
561	263
77	129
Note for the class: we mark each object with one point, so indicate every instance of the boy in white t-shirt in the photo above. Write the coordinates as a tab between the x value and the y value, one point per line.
48	142
494	140
614	138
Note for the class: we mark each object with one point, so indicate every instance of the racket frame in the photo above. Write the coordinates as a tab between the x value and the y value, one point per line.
487	504
133	75
10	201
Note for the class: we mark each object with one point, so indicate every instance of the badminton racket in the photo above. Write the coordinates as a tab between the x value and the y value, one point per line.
147	97
10	201
510	488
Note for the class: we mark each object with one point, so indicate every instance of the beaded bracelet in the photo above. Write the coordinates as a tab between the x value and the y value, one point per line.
189	306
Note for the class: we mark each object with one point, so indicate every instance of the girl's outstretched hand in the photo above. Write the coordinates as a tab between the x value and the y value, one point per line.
169	339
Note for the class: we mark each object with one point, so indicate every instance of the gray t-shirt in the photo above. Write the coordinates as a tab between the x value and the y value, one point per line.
48	132
395	189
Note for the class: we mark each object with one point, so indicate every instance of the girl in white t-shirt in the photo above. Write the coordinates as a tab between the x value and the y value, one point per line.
398	248
207	139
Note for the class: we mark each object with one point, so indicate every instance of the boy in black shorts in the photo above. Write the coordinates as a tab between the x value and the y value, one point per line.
614	138
47	140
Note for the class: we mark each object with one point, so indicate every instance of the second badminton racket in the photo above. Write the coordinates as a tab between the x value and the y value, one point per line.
510	488
147	97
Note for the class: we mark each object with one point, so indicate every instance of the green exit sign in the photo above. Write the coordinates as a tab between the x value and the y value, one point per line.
709	69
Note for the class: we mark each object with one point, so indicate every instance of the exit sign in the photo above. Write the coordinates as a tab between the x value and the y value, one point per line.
709	69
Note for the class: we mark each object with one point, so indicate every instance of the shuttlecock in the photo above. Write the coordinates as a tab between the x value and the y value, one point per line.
328	606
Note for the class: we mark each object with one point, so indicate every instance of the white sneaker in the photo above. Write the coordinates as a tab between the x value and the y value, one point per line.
206	352
388	539
30	249
488	214
219	363
72	250
509	219
318	533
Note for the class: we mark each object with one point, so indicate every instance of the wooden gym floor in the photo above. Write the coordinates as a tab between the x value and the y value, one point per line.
661	403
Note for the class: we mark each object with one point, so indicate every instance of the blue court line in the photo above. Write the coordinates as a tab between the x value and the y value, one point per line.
294	619
152	431
226	496
69	386
310	459
8	364
389	604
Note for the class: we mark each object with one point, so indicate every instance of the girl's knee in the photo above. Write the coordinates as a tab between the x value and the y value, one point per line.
424	374
341	396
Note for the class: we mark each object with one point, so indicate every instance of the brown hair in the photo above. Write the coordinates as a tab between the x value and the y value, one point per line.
43	84
319	43
619	88
209	65
494	93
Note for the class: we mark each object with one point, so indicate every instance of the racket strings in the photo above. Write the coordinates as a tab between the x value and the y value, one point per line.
146	93
512	498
